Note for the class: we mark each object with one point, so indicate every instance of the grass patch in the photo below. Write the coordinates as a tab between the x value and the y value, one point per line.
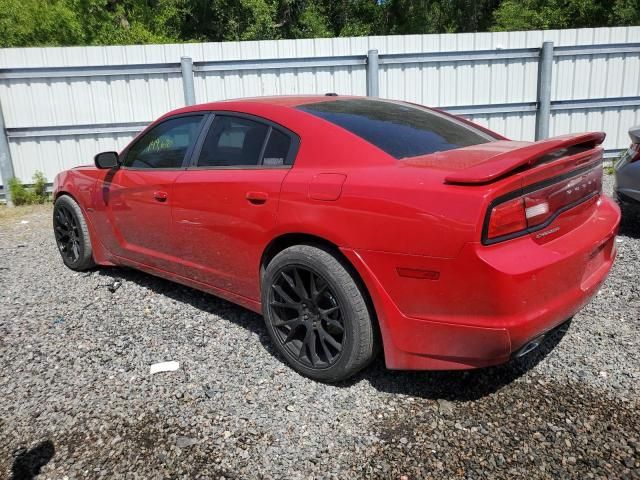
11	214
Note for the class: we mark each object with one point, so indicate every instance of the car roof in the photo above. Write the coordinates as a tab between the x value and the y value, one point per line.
296	100
290	101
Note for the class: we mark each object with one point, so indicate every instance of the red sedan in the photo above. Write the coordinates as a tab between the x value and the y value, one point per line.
354	223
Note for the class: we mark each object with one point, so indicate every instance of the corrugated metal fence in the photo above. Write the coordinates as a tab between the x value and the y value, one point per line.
63	105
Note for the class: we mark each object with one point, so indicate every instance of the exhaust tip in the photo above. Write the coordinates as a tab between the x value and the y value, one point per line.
529	347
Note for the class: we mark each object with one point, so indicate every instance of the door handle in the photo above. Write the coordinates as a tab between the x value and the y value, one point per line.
257	198
160	196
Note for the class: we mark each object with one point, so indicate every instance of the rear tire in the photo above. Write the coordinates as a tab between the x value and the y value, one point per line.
72	234
316	314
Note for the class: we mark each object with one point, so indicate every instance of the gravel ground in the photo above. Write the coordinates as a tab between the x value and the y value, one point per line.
78	400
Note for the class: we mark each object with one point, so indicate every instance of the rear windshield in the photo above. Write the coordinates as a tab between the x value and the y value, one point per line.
399	129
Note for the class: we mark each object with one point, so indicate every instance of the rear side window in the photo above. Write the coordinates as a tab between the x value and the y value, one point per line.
400	130
277	149
165	145
233	141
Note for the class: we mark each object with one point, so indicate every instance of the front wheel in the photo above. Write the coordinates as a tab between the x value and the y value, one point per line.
72	234
316	313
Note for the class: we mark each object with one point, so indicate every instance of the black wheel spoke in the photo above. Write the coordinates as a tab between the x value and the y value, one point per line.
326	337
325	349
319	291
311	345
294	322
61	220
291	335
313	289
300	290
305	343
290	282
335	325
328	311
292	306
67	216
284	295
306	317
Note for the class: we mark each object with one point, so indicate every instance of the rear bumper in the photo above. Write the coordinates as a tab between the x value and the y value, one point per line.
488	302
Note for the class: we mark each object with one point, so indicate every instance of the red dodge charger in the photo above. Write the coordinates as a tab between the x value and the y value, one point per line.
354	224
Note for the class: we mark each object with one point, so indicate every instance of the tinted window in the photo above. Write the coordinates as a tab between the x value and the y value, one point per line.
399	129
277	149
166	145
233	141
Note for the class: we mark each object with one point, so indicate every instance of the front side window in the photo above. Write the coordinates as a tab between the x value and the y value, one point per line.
233	141
401	130
165	145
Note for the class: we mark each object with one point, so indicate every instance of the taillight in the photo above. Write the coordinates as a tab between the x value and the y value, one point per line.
539	204
506	218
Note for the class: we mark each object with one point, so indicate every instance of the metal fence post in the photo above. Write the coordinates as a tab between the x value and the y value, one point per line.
186	66
543	113
372	73
6	165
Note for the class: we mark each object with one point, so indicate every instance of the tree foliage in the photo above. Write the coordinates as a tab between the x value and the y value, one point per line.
101	22
546	14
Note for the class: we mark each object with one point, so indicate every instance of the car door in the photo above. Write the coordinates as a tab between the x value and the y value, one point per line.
138	195
225	204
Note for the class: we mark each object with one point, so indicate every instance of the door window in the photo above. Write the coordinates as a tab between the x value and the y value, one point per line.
166	145
233	141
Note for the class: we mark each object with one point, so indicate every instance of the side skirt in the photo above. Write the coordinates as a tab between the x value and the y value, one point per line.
246	302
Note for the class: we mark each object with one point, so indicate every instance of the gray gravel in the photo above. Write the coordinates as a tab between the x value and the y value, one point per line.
78	400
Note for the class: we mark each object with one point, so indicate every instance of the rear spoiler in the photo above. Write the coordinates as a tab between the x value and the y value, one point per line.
506	162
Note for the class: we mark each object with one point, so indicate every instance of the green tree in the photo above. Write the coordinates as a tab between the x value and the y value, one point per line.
130	21
104	22
439	16
626	12
352	18
547	14
311	21
34	22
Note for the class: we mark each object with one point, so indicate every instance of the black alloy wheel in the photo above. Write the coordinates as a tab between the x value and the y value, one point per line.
307	317
317	313
67	233
72	234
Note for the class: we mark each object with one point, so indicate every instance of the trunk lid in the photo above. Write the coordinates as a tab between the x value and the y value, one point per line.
544	188
488	162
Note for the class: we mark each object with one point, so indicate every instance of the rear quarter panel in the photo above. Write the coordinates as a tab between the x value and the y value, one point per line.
384	209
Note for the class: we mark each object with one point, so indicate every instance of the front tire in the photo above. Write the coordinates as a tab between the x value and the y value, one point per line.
316	313
72	234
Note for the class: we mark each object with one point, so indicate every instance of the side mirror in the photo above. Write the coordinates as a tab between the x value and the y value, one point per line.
106	160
